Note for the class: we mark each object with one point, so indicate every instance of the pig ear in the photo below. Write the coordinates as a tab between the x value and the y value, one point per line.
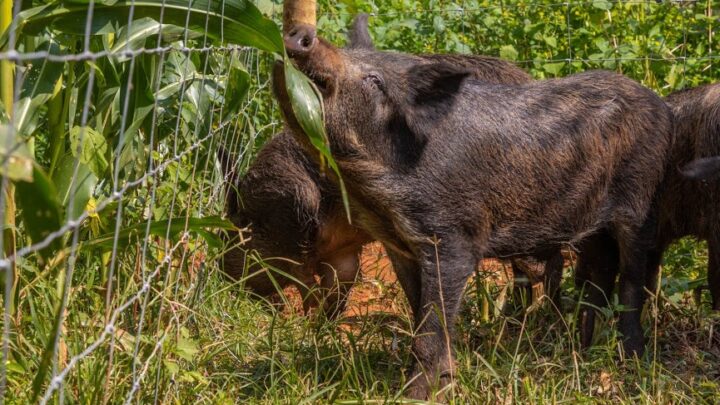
359	34
435	84
431	90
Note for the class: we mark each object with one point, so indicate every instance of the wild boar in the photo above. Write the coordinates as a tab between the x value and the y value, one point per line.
296	215
297	226
445	170
684	206
687	207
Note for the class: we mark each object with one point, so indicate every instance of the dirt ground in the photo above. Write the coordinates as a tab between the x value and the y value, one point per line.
377	291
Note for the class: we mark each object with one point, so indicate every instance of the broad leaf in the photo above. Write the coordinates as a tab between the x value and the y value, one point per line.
229	21
78	186
162	228
40	208
308	109
37	89
237	88
141	30
19	162
90	146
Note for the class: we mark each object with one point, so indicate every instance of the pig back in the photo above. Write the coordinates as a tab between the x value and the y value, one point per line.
546	161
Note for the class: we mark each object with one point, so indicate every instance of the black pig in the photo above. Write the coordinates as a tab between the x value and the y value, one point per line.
684	206
445	170
296	215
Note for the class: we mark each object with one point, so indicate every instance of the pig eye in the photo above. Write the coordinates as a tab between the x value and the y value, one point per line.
374	80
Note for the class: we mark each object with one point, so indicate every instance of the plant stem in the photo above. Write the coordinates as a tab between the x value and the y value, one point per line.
7	95
6	66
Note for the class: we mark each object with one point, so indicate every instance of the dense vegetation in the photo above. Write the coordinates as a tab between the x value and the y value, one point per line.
136	132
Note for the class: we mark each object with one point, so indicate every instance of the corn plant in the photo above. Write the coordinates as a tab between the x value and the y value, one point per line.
111	114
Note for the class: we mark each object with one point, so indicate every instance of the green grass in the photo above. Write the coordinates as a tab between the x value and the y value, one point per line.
259	356
226	348
204	341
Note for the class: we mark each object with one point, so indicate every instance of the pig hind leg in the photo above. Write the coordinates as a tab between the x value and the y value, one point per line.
714	269
552	277
595	275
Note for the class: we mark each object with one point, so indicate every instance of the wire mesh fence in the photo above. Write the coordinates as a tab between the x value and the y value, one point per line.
112	196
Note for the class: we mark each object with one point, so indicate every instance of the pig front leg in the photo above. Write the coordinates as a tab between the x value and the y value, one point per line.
652	266
444	270
407	272
633	247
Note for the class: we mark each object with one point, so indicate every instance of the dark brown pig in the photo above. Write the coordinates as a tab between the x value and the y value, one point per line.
297	226
296	216
686	202
445	170
688	207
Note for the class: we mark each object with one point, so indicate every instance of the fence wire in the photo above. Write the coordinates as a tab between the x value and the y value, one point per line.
99	298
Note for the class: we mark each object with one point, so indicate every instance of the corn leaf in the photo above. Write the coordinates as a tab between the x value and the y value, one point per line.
231	21
308	109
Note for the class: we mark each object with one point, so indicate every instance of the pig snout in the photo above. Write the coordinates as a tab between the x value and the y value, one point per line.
300	40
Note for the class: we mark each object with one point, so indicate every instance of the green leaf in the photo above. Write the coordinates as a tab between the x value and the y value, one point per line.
92	151
186	348
171	366
554	68
508	52
551	41
173	88
162	228
38	87
230	21
141	30
20	160
237	87
81	185
438	24
47	356
602	4
40	208
308	109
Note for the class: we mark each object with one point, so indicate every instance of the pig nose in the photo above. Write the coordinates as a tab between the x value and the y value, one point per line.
300	40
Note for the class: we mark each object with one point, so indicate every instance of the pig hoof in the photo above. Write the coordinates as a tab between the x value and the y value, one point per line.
421	389
634	347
